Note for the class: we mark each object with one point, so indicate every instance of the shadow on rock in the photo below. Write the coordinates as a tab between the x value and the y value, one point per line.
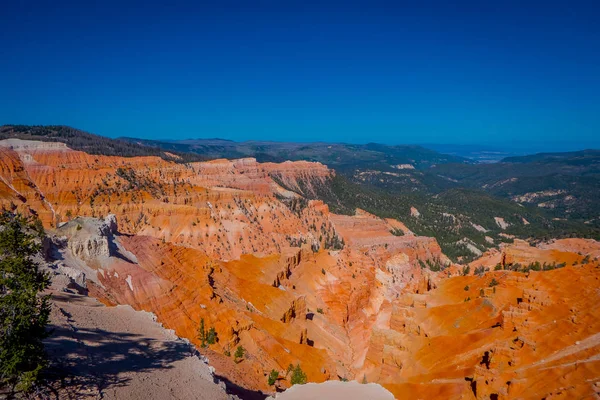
89	361
241	392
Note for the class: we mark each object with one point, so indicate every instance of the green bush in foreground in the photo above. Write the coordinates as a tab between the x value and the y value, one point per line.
23	312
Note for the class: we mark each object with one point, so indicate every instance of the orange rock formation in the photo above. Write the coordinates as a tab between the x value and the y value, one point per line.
230	243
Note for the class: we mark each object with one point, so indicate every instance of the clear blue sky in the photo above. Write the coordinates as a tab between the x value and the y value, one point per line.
449	72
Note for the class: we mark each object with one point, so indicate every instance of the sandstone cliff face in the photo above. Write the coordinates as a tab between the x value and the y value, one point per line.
16	187
226	208
235	244
568	251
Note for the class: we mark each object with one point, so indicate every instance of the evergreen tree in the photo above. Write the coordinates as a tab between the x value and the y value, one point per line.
298	376
202	334
239	352
211	336
23	312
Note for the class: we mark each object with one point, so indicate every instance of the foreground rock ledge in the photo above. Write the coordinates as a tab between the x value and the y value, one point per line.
335	390
121	354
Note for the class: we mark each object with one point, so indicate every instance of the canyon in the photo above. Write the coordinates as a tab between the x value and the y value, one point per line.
244	248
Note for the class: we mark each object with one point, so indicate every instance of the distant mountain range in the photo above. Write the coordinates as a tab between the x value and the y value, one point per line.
478	153
492	153
341	156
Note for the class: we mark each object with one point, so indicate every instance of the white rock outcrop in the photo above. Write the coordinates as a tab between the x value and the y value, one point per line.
90	238
335	390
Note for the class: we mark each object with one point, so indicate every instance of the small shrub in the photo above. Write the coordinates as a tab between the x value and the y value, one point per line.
493	282
535	266
397	232
298	376
467	288
323	271
211	336
239	352
273	377
586	259
320	310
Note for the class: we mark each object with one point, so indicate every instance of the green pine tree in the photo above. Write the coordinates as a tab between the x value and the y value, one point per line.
211	336
23	312
202	334
298	376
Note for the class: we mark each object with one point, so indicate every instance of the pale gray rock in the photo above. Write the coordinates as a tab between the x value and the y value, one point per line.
335	390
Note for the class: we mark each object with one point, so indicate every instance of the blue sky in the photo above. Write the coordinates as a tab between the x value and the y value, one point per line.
510	72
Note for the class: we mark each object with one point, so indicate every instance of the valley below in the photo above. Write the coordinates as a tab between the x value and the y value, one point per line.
260	255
